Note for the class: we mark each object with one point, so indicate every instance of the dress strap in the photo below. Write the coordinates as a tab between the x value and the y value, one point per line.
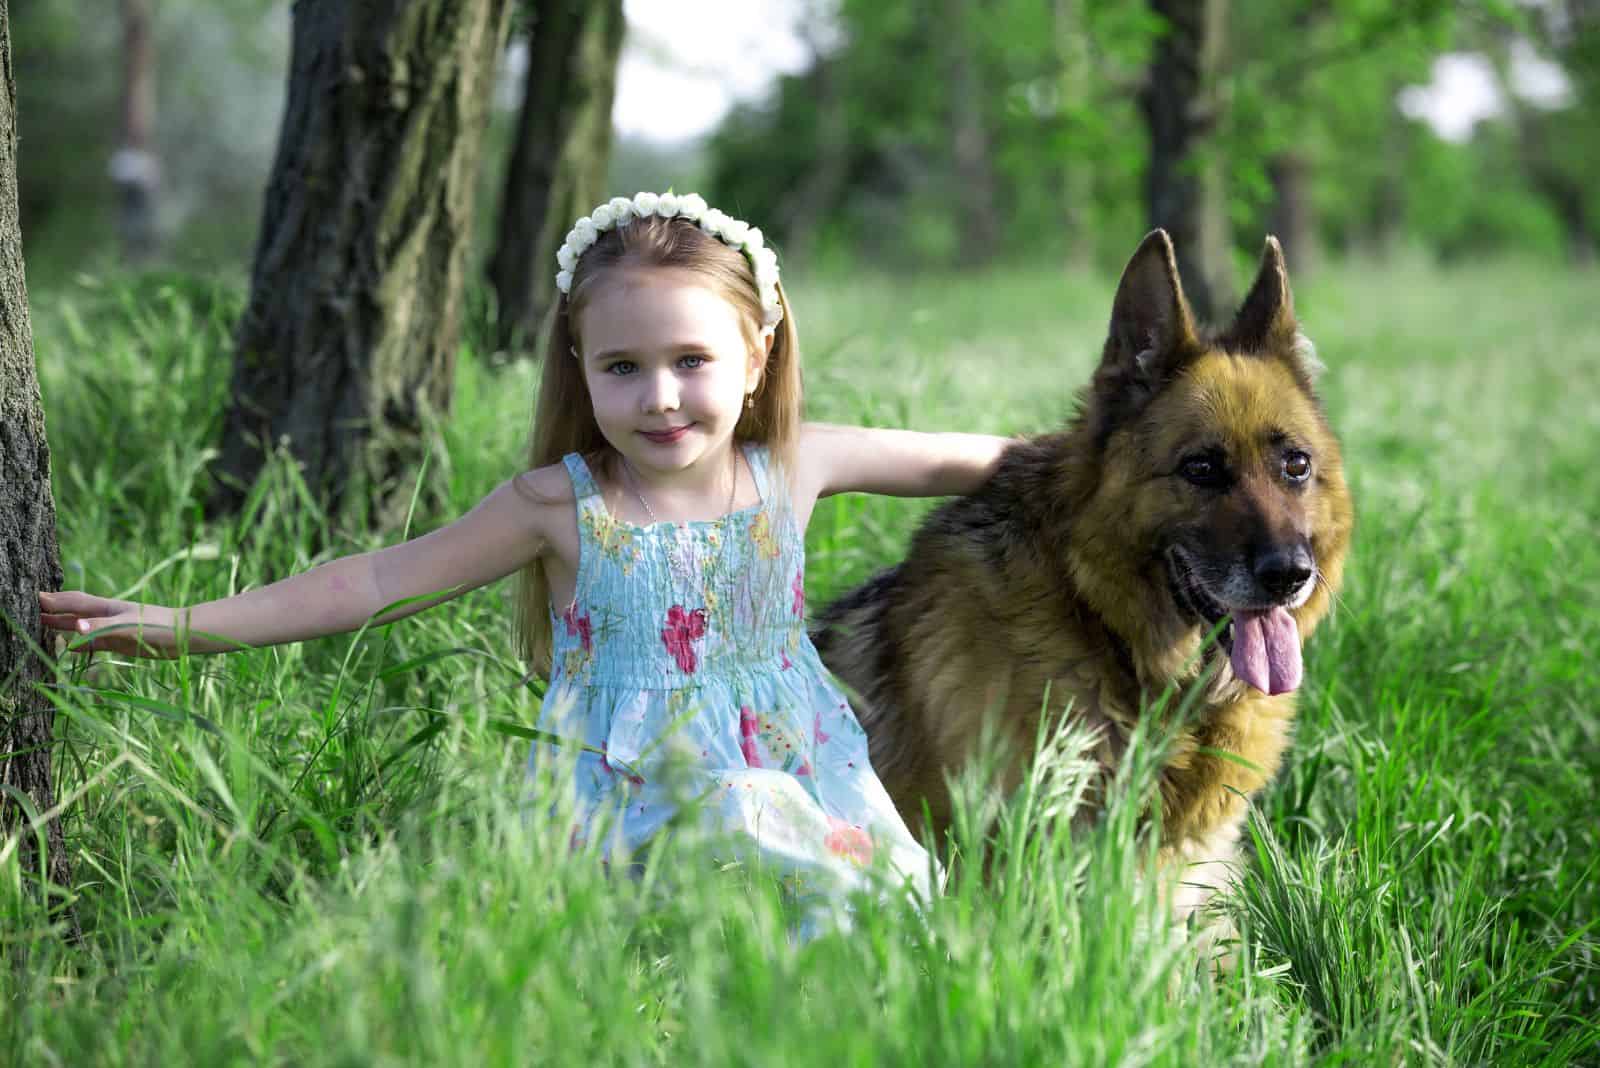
584	487
758	457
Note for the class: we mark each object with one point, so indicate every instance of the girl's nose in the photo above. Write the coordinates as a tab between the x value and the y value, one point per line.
661	395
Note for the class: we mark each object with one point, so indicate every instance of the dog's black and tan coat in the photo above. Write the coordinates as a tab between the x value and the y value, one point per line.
1199	480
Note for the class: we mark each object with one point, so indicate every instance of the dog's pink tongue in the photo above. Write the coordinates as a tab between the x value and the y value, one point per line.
1266	650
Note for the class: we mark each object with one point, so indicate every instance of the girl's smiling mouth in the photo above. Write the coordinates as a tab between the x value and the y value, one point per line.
663	437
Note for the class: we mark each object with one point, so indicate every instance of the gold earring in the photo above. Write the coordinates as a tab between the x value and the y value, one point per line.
750	401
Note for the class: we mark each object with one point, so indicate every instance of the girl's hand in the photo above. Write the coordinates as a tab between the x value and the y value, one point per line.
135	629
503	533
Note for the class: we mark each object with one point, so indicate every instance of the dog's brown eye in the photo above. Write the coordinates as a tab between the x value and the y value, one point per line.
1201	470
1297	466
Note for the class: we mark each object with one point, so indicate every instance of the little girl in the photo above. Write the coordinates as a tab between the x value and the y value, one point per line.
659	536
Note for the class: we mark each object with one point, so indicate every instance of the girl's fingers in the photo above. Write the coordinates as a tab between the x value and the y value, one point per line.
74	601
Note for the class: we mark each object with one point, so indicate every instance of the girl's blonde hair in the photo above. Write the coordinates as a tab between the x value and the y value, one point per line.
563	417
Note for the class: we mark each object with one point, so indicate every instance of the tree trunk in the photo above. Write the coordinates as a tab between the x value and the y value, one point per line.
558	164
1565	191
817	189
134	166
1383	230
347	347
1184	186
1570	201
1076	78
1293	214
974	165
29	561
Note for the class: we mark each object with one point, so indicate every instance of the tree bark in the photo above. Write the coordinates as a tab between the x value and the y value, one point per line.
135	168
1184	184
974	163
347	346
558	164
29	561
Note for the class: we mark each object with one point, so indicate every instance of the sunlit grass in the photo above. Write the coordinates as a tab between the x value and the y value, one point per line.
324	854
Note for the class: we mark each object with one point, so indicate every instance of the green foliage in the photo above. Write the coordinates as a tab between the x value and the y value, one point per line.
325	853
878	110
1059	88
1557	146
853	161
1470	201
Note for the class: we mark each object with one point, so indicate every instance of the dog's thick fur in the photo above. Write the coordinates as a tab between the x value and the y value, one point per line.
1095	561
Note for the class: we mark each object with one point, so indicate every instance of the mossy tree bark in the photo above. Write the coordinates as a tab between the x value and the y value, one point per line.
1184	185
347	347
558	163
29	561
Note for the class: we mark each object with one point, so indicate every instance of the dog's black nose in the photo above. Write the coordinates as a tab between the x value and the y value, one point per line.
1283	569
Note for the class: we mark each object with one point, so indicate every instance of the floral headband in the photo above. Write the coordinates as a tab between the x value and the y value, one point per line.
692	206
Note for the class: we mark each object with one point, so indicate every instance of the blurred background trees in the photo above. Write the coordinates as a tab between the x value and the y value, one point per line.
1289	115
906	135
939	133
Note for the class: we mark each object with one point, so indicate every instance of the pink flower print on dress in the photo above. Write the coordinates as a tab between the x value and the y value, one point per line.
799	588
816	728
579	626
787	664
748	728
681	630
848	841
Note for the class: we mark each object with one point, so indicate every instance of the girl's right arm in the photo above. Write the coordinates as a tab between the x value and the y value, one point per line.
504	532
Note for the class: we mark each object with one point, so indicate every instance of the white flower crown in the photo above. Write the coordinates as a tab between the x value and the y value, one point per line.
692	206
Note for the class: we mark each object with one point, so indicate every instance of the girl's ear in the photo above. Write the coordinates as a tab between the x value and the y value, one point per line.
759	355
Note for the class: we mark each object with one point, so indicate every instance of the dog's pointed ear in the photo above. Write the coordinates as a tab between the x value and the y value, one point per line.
1266	321
1151	323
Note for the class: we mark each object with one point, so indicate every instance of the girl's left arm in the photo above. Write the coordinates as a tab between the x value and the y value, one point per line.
899	463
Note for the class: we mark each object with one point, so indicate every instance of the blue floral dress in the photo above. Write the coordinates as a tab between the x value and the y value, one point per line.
683	669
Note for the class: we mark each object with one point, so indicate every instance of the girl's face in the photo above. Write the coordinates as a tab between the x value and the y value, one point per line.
667	366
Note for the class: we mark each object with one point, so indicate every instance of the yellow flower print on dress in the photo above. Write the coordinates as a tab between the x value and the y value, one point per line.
761	534
613	538
576	662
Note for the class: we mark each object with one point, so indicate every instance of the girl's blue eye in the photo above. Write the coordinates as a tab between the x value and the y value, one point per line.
621	367
692	361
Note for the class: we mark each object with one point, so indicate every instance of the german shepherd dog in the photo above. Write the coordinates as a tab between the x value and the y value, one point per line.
1199	482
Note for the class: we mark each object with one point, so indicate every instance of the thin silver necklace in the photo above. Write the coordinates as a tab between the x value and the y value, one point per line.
633	484
731	635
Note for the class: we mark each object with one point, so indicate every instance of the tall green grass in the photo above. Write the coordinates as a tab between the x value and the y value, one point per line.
327	854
